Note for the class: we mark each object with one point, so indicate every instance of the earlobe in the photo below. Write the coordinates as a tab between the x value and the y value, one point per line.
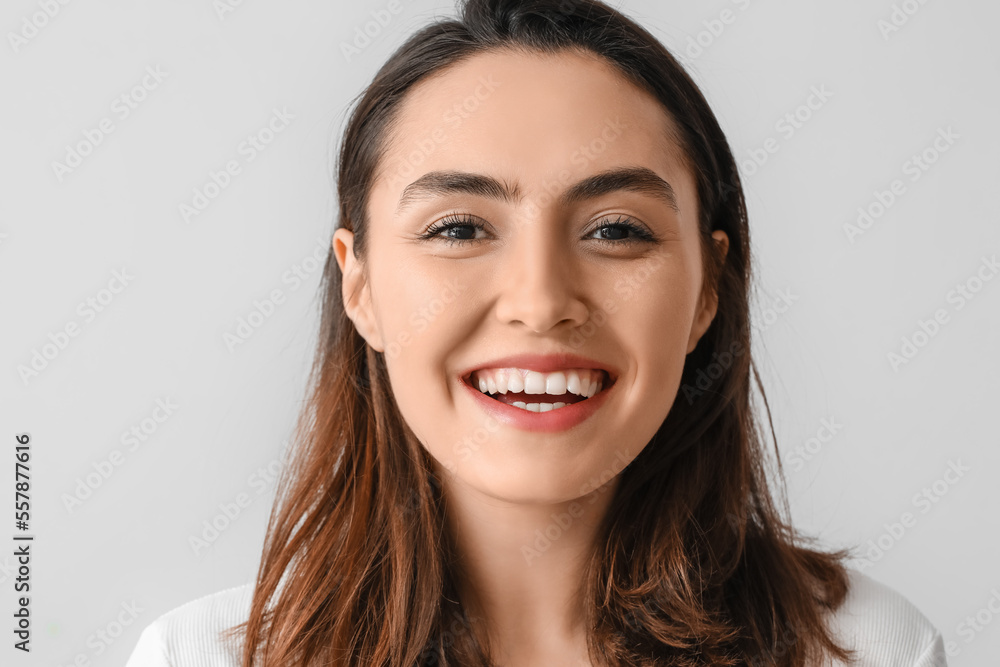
355	290
708	303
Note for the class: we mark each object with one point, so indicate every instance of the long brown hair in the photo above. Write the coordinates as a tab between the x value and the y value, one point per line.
695	564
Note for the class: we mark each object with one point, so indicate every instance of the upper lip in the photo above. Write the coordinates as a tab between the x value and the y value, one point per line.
544	363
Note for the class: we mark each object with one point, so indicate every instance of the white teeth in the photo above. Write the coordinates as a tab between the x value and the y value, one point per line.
538	407
573	384
534	383
555	384
582	382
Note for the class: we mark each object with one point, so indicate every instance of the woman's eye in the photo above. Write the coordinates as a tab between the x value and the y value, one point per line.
462	229
623	232
455	230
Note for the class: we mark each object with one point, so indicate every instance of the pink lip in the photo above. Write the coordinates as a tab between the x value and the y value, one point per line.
554	420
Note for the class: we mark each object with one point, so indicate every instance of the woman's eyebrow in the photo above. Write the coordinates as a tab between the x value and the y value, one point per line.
635	179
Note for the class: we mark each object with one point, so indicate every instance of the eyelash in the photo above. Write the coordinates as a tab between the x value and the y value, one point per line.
639	234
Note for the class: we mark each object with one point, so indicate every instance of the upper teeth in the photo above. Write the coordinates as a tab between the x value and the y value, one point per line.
580	381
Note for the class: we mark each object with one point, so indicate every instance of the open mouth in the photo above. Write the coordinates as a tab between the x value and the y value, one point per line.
539	392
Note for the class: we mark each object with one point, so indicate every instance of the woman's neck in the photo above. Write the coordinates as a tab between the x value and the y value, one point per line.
523	568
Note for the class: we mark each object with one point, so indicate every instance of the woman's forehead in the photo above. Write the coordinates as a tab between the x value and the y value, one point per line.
540	114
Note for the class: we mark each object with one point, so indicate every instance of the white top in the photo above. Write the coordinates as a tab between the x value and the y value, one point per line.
886	629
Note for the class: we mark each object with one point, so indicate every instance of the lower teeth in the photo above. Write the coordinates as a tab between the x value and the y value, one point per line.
538	407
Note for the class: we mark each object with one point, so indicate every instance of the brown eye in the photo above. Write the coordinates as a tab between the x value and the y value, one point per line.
623	231
462	224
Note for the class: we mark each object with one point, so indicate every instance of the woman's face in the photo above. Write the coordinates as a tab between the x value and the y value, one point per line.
512	143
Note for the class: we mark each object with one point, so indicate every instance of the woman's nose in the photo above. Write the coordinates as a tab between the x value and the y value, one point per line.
539	282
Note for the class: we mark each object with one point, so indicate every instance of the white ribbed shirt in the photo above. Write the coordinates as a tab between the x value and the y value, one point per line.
885	628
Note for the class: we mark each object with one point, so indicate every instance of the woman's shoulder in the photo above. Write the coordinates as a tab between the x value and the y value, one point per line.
885	628
879	623
189	635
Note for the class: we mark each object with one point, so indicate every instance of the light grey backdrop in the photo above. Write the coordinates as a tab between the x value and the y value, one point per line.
116	113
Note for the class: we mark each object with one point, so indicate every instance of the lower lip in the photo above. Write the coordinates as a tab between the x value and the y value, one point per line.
559	419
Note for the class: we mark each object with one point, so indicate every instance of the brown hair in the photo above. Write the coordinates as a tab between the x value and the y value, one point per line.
695	565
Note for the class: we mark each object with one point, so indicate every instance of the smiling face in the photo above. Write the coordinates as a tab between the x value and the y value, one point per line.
531	204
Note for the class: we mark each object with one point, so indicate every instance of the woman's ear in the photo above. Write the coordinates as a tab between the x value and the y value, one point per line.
708	303
356	290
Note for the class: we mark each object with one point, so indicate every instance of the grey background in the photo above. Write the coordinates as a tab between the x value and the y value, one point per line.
846	304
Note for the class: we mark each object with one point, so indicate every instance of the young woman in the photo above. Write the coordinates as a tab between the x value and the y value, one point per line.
511	455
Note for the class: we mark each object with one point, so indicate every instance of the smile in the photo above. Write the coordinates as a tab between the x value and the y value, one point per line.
536	401
534	391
